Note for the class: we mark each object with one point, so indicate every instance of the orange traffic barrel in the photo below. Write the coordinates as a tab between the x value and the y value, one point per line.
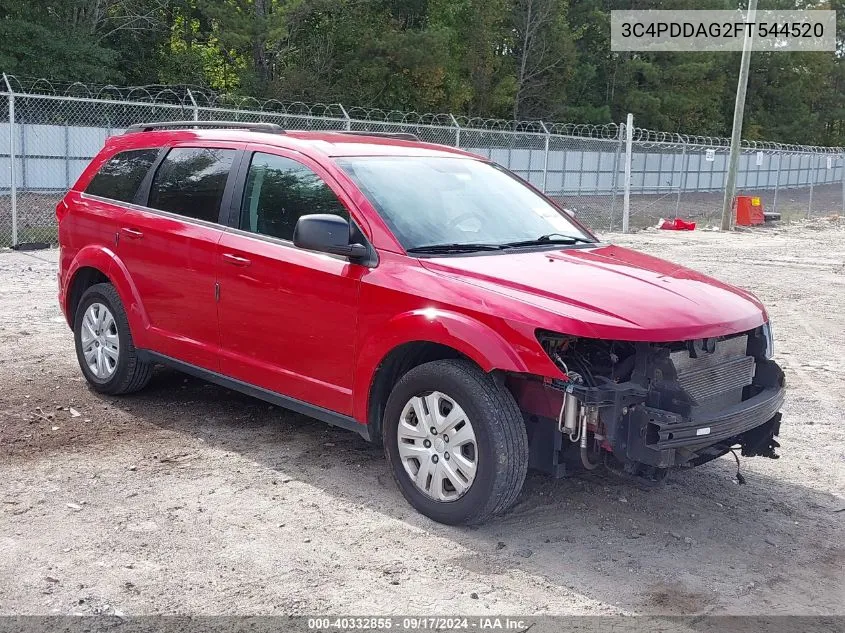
749	211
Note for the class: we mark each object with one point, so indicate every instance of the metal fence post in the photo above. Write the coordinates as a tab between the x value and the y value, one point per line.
681	177
457	131
66	139
20	150
629	142
193	105
842	158
12	160
619	138
811	176
580	168
545	156
777	183
348	125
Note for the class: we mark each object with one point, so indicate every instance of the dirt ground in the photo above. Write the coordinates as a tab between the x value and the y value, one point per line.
188	498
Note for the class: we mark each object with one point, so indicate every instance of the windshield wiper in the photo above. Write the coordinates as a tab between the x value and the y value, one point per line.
549	238
455	248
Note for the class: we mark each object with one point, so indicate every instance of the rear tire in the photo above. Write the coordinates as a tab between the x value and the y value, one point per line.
467	487
104	346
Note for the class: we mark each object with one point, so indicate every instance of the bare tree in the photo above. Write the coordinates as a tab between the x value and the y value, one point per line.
536	52
102	18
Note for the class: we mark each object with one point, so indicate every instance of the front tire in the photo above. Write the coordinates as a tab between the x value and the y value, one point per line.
456	442
104	346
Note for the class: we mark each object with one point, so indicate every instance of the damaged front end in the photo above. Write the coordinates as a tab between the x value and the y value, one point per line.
651	406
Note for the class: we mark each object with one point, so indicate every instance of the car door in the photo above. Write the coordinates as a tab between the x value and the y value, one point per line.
287	316
168	243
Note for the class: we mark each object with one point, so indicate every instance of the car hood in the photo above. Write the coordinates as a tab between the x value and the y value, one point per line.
608	292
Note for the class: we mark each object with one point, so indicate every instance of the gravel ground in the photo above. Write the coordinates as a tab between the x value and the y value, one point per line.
188	498
702	207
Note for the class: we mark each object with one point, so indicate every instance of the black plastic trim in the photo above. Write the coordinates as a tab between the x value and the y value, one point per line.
674	431
143	192
271	128
233	216
402	136
231	187
325	415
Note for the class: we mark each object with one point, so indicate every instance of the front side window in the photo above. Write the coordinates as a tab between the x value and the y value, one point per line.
279	191
122	174
190	182
437	201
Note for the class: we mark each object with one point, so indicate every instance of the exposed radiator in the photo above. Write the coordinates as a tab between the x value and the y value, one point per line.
718	376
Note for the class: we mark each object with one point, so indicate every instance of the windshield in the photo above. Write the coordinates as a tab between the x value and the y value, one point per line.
436	201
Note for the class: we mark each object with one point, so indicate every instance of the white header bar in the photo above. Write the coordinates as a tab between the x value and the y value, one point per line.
691	31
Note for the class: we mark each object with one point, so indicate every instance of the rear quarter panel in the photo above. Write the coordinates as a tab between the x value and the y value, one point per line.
88	227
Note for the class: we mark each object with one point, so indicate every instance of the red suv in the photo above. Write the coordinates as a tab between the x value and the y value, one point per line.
419	295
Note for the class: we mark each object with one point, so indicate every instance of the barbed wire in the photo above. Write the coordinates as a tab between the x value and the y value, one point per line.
206	99
654	138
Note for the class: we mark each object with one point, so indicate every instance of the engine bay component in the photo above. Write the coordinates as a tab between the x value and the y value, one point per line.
590	413
569	418
655	405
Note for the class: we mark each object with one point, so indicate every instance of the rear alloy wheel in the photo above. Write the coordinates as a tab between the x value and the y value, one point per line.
99	341
104	345
456	442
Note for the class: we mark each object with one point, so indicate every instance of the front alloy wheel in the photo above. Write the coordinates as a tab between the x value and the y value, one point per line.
437	445
456	442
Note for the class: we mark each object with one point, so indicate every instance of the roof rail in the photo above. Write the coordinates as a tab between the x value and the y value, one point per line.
222	125
402	136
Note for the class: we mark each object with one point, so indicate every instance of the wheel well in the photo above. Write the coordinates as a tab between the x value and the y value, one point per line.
84	278
396	364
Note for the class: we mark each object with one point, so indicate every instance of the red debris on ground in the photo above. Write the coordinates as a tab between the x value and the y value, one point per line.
676	225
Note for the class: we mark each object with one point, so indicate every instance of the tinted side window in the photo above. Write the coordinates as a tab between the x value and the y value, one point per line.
121	175
280	190
190	182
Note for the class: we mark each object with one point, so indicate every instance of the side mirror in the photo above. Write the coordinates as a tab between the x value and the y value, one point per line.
326	233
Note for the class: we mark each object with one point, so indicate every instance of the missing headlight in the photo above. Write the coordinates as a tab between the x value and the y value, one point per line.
770	340
593	360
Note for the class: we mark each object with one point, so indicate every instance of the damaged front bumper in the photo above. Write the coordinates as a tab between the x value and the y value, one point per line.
664	439
664	430
676	409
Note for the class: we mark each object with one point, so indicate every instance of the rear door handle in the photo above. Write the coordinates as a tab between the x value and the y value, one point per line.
234	260
133	234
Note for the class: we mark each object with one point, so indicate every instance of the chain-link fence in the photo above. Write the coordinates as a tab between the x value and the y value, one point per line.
679	176
48	133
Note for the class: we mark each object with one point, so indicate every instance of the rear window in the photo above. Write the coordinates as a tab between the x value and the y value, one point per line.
121	175
190	182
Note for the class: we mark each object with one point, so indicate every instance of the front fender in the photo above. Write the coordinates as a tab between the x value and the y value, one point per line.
107	262
475	340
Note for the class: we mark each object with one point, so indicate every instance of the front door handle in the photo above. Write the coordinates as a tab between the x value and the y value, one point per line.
234	260
133	234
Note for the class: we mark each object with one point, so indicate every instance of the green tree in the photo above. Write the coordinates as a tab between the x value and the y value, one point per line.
532	59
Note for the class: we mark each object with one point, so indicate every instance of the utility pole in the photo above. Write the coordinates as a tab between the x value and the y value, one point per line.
626	200
739	111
